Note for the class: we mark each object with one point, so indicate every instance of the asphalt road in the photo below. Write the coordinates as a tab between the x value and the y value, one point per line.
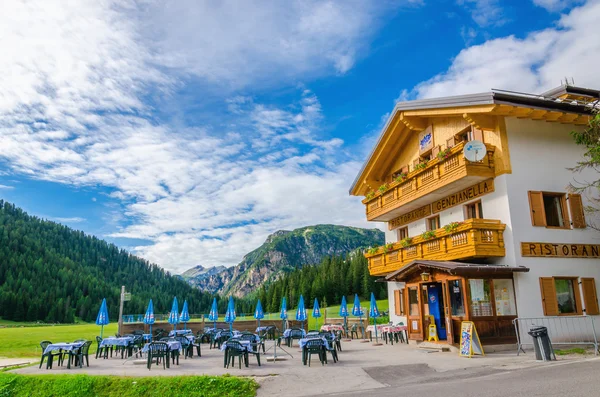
557	379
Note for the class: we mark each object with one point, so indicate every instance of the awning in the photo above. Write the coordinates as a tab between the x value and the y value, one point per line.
455	268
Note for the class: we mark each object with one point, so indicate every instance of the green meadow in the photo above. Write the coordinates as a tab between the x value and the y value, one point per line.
23	340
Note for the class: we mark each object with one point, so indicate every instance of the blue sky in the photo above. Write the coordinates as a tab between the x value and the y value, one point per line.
188	131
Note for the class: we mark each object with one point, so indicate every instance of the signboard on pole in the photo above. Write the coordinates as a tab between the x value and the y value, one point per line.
126	296
469	340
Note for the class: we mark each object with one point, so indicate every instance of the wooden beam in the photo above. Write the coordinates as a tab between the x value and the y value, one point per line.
481	121
582	120
414	123
538	114
568	118
522	112
553	116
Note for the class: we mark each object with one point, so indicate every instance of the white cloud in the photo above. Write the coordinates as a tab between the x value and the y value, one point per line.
74	110
247	41
532	64
556	5
484	12
7	187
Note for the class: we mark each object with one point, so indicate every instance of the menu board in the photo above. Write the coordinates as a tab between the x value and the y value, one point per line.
469	340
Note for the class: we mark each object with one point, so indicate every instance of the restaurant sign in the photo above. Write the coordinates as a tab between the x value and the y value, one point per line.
560	250
409	217
464	195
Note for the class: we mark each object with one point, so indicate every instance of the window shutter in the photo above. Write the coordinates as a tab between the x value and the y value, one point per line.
477	134
588	287
397	308
549	302
450	142
576	207
536	205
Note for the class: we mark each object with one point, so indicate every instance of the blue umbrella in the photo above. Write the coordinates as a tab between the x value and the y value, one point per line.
374	313
258	313
316	312
344	313
301	312
357	310
185	314
174	314
102	318
149	316
283	314
214	313
230	314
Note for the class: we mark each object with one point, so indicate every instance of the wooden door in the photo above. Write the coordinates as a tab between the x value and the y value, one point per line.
412	297
448	312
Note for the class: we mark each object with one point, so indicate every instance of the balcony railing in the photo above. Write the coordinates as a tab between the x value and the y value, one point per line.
473	238
441	176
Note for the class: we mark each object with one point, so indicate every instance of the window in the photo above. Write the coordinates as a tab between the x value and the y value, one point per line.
456	297
474	211
504	297
481	302
550	210
402	233
560	296
433	223
565	296
413	301
469	134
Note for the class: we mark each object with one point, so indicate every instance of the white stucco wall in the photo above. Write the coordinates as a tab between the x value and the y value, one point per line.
540	154
393	317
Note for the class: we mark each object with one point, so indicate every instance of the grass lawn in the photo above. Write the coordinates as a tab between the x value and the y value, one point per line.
25	341
163	386
574	350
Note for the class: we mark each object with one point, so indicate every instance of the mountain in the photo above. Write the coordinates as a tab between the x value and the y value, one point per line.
49	272
198	273
284	251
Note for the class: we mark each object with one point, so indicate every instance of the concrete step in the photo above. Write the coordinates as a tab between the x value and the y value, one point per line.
437	346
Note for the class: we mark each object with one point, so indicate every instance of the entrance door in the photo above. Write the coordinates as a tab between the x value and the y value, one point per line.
436	308
413	310
448	312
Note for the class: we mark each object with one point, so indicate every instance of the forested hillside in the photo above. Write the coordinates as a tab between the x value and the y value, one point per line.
329	281
52	273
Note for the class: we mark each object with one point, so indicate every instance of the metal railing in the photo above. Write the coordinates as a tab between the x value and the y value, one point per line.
562	330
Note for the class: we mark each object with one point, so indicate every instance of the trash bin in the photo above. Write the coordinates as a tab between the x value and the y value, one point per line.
541	343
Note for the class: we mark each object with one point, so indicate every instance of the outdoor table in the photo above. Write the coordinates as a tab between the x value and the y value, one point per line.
332	327
180	332
174	348
62	347
147	337
246	344
261	329
288	331
125	342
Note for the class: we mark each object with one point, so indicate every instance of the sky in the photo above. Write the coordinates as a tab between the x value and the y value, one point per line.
188	131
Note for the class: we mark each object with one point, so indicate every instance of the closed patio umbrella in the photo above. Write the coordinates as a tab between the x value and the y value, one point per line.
283	314
102	318
185	314
344	313
230	314
214	313
149	316
174	314
316	312
374	313
259	313
357	311
301	311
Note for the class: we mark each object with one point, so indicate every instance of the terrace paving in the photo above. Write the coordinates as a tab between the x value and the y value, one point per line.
362	366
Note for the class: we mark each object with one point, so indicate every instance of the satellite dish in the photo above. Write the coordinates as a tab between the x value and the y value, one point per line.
474	151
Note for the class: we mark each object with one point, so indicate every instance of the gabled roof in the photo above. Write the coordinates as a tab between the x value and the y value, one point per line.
454	268
560	99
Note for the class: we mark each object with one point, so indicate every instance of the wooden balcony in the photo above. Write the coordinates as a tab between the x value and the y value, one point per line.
474	238
441	177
